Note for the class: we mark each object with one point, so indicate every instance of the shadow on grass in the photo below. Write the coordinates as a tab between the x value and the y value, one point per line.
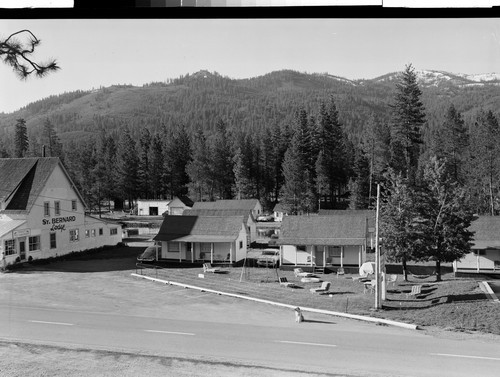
435	301
315	321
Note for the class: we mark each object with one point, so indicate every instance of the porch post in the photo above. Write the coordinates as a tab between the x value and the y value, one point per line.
341	256
324	256
312	247
211	252
192	252
477	260
231	251
180	251
359	255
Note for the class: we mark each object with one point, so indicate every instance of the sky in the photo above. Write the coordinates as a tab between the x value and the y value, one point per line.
102	52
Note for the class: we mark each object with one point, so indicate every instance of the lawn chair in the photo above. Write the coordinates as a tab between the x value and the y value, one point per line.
363	277
325	286
285	283
415	291
369	286
340	271
299	272
391	279
207	267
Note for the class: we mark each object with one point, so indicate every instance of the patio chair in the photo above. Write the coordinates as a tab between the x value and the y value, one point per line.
369	286
340	271
299	272
363	277
391	279
285	283
325	286
207	267
416	290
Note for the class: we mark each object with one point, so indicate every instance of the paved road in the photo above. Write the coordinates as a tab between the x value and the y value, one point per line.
251	334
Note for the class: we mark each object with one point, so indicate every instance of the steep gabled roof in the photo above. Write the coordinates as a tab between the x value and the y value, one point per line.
200	228
486	232
23	179
335	230
244	204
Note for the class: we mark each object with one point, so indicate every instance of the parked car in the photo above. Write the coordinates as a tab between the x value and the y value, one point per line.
149	255
272	241
265	218
269	258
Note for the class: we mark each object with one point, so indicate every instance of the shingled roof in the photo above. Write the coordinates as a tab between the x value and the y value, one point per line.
366	213
219	212
200	228
22	180
487	232
243	204
335	230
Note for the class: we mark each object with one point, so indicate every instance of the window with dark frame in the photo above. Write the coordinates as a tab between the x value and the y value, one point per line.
53	243
113	231
10	247
101	231
46	209
73	205
34	243
73	235
57	208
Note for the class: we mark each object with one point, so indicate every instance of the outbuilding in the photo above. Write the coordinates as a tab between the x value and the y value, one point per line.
42	214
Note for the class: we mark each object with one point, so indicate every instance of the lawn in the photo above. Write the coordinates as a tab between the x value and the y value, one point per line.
456	304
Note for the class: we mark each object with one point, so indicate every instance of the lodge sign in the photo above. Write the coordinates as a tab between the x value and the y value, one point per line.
57	222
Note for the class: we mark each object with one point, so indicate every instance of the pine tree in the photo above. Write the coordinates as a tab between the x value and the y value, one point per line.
21	139
444	217
156	159
360	185
408	117
128	167
199	169
144	169
398	220
51	141
223	173
451	143
294	189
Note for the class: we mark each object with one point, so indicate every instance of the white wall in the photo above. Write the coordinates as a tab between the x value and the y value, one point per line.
143	206
486	261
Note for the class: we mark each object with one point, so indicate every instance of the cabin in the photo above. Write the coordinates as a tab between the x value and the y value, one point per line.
198	239
485	248
325	242
42	214
178	205
248	208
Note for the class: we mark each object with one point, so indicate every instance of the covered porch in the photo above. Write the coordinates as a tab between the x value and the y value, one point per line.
198	250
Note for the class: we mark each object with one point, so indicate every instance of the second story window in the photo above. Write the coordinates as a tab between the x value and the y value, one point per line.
46	209
73	205
57	208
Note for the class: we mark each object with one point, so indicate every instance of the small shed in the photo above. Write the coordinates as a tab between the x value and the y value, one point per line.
152	207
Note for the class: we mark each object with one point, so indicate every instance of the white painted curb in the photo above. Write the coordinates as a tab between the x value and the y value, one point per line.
490	292
312	310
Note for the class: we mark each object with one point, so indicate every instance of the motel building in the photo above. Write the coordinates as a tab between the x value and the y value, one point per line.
42	214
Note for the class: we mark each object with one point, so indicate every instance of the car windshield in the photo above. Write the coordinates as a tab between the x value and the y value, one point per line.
269	253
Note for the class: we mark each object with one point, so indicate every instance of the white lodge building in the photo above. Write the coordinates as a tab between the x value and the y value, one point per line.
42	214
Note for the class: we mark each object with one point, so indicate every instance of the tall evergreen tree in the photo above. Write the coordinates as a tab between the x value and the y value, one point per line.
360	184
451	144
223	173
407	119
144	169
199	169
294	189
398	220
53	146
21	139
128	167
156	158
444	217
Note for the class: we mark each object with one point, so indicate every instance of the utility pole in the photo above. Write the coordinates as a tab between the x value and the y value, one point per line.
377	255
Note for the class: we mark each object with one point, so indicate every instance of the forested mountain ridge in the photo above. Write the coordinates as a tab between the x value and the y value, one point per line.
199	99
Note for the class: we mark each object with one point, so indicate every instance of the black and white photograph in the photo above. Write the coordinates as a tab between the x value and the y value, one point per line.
250	196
